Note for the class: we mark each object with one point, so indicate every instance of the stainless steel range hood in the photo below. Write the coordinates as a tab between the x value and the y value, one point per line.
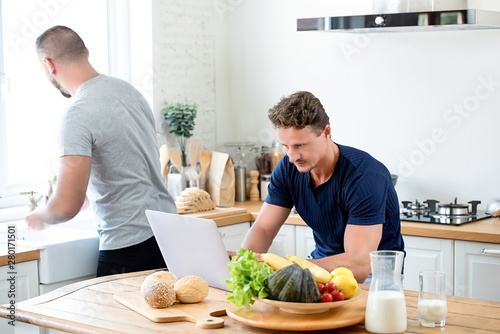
458	19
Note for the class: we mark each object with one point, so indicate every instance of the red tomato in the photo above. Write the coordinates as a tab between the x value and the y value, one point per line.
337	296
326	298
330	287
321	288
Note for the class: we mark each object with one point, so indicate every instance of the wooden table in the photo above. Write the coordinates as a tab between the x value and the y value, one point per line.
89	307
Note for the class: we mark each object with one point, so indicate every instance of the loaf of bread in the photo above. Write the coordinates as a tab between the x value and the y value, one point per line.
194	200
160	294
156	277
191	289
158	289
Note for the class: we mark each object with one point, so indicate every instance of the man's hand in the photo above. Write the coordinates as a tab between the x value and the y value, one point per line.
233	253
69	197
36	222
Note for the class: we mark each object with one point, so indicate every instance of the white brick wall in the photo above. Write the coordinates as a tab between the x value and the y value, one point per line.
184	63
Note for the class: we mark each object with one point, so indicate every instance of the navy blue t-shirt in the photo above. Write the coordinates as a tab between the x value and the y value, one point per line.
360	192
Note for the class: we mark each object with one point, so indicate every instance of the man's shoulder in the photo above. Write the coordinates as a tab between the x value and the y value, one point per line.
102	89
349	151
356	157
358	162
103	80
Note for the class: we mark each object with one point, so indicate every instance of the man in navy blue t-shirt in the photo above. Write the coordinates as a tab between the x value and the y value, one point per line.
345	195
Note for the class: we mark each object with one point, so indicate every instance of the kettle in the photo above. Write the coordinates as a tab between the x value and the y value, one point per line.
493	206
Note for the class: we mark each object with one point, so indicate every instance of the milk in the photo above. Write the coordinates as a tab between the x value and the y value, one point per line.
385	312
432	310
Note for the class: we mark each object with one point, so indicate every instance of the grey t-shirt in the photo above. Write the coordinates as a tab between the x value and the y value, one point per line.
111	122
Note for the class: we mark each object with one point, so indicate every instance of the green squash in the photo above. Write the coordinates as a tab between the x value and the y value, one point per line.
293	284
310	292
293	287
277	279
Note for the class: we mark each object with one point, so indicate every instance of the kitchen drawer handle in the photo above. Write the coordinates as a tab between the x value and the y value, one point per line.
490	251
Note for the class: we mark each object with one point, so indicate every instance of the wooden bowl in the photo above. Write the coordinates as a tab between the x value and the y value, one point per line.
307	308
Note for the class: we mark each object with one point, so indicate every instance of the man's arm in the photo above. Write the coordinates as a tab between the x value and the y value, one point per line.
261	235
359	241
69	196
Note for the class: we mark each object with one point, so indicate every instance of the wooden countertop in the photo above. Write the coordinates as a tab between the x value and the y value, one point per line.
89	307
484	230
225	216
23	254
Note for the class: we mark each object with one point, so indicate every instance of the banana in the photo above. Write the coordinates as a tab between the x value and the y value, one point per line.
320	275
275	261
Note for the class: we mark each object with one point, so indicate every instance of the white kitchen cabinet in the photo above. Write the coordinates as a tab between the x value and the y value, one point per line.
26	286
477	270
424	253
304	242
233	235
284	242
26	279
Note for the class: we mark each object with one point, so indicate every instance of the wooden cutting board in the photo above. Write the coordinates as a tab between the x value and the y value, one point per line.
270	317
206	314
218	212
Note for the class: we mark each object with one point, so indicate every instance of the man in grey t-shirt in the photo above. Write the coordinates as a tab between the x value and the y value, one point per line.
109	152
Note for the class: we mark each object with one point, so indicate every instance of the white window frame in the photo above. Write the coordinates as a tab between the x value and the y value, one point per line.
119	39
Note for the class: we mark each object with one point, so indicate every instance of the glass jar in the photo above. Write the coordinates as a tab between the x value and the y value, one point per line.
265	179
263	161
277	153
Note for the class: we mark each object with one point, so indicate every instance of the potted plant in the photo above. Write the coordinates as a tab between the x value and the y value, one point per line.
180	119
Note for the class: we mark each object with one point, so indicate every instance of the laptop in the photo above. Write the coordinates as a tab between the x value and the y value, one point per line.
191	246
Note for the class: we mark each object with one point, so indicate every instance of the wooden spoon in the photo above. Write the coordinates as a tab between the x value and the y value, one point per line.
175	157
194	153
206	157
496	213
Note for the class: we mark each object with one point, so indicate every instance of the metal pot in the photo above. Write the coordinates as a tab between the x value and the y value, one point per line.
453	210
493	205
394	178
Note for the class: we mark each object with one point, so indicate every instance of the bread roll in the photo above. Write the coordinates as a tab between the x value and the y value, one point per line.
191	289
156	277
160	295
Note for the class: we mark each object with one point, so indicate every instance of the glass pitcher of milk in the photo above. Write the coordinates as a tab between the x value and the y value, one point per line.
385	306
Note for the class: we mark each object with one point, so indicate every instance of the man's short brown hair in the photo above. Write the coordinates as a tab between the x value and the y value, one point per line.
61	44
299	110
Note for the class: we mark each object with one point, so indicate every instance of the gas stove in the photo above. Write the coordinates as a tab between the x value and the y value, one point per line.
430	211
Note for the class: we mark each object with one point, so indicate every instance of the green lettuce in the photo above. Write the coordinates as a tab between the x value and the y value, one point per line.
248	276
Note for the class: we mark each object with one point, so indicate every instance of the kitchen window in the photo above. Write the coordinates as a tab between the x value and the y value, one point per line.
30	107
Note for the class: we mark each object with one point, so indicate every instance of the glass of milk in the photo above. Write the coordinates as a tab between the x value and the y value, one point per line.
432	299
385	306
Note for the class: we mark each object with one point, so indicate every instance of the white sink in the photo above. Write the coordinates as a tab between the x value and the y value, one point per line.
66	252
